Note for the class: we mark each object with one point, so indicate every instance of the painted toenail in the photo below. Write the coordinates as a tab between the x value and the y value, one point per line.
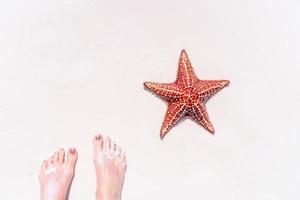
98	136
72	150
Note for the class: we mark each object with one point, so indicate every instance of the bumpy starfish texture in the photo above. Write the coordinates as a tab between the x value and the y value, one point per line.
186	96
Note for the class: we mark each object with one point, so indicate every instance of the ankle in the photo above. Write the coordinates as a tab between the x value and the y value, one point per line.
51	194
110	196
53	198
107	198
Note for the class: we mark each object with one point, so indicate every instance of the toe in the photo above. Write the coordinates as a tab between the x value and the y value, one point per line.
55	158
98	143
44	166
72	158
61	156
123	156
52	160
106	144
113	147
117	151
123	162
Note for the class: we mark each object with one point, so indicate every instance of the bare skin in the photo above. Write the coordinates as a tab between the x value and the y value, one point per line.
56	175
110	165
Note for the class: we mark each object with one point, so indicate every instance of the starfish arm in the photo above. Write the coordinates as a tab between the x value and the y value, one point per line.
201	117
207	88
167	91
174	113
185	75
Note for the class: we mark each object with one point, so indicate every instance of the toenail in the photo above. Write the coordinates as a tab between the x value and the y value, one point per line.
72	150
98	136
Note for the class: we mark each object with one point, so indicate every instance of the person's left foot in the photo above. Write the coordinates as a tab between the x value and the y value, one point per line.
56	175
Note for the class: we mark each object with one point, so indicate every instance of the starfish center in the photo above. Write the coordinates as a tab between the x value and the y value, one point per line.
189	97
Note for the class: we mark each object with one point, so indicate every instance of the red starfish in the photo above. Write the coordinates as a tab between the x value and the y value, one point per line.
186	96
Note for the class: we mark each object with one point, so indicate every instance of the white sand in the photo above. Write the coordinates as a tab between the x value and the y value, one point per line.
73	68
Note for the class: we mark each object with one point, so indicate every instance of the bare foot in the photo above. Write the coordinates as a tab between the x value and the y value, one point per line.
110	165
56	175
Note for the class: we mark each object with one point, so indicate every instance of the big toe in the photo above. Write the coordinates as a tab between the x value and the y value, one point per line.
72	159
98	143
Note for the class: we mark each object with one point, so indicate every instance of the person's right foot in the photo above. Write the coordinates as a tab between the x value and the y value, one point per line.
110	166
